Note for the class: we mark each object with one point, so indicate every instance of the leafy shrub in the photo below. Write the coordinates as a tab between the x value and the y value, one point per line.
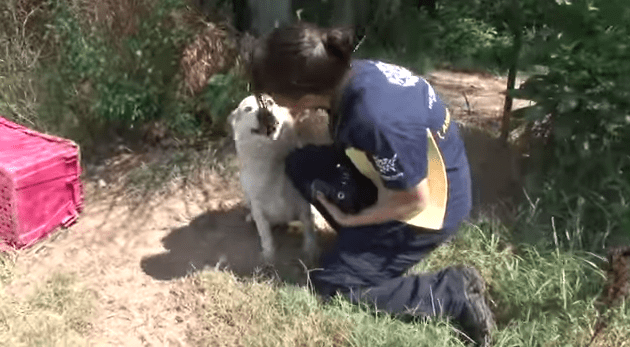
124	77
461	35
223	94
586	93
128	84
146	72
472	41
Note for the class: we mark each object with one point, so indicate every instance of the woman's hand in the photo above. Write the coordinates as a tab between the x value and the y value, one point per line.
390	205
341	217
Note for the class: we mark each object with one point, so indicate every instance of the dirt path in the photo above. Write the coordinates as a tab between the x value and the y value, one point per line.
105	249
474	98
135	260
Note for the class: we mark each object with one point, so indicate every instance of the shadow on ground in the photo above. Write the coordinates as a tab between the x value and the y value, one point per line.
497	172
223	239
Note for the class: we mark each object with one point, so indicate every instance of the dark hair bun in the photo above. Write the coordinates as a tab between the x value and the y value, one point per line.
339	42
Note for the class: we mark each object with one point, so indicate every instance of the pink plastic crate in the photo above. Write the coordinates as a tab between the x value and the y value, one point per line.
40	188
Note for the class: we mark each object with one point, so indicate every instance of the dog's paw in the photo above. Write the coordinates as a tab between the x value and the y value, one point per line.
267	271
268	256
295	227
311	255
310	249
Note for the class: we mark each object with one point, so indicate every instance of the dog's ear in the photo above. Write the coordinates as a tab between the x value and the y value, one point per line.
230	118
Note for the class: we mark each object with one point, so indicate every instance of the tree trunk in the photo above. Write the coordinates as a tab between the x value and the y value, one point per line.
516	27
260	17
269	14
507	106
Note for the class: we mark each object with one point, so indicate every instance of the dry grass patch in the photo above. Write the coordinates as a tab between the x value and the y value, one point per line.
207	55
119	17
56	314
19	57
260	313
256	312
140	180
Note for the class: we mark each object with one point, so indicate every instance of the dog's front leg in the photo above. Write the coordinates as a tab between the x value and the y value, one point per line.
309	244
264	231
248	217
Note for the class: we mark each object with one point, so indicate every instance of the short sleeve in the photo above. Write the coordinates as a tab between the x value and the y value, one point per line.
387	113
400	160
396	149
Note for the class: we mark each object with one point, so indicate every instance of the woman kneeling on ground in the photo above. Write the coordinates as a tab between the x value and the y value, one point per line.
394	185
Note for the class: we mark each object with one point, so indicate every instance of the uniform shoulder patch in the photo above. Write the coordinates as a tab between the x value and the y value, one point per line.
387	167
397	75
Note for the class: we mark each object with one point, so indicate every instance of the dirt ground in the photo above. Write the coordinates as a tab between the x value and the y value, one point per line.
474	98
498	172
135	257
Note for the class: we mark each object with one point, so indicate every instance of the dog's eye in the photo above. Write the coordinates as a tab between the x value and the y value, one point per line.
248	109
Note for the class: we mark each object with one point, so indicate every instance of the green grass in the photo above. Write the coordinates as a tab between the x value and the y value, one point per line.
255	312
541	297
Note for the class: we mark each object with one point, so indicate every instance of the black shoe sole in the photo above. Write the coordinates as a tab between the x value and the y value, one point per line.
475	288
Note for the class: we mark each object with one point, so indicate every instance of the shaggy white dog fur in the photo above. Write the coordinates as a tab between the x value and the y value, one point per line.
263	141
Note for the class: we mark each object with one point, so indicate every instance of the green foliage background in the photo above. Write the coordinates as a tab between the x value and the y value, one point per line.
64	74
585	95
98	80
73	76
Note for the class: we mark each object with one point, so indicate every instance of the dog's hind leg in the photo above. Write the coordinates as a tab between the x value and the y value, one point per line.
264	231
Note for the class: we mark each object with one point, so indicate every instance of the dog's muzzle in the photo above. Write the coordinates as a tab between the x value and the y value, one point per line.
267	123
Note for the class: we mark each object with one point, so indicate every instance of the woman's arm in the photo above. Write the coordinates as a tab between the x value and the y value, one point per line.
390	205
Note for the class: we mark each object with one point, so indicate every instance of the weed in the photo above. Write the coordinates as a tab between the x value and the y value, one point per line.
6	269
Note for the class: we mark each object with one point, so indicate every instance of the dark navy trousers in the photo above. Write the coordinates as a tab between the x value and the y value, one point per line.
367	263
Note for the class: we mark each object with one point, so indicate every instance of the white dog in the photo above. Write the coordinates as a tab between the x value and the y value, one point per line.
263	141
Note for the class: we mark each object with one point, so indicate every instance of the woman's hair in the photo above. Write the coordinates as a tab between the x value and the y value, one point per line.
301	59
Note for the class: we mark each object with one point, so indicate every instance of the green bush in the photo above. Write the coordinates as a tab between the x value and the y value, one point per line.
469	41
98	80
223	94
460	36
586	184
123	85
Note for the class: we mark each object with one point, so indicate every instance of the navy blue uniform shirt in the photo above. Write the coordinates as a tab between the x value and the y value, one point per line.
385	110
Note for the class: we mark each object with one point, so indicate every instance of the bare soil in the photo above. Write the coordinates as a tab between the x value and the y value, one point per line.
135	254
475	99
